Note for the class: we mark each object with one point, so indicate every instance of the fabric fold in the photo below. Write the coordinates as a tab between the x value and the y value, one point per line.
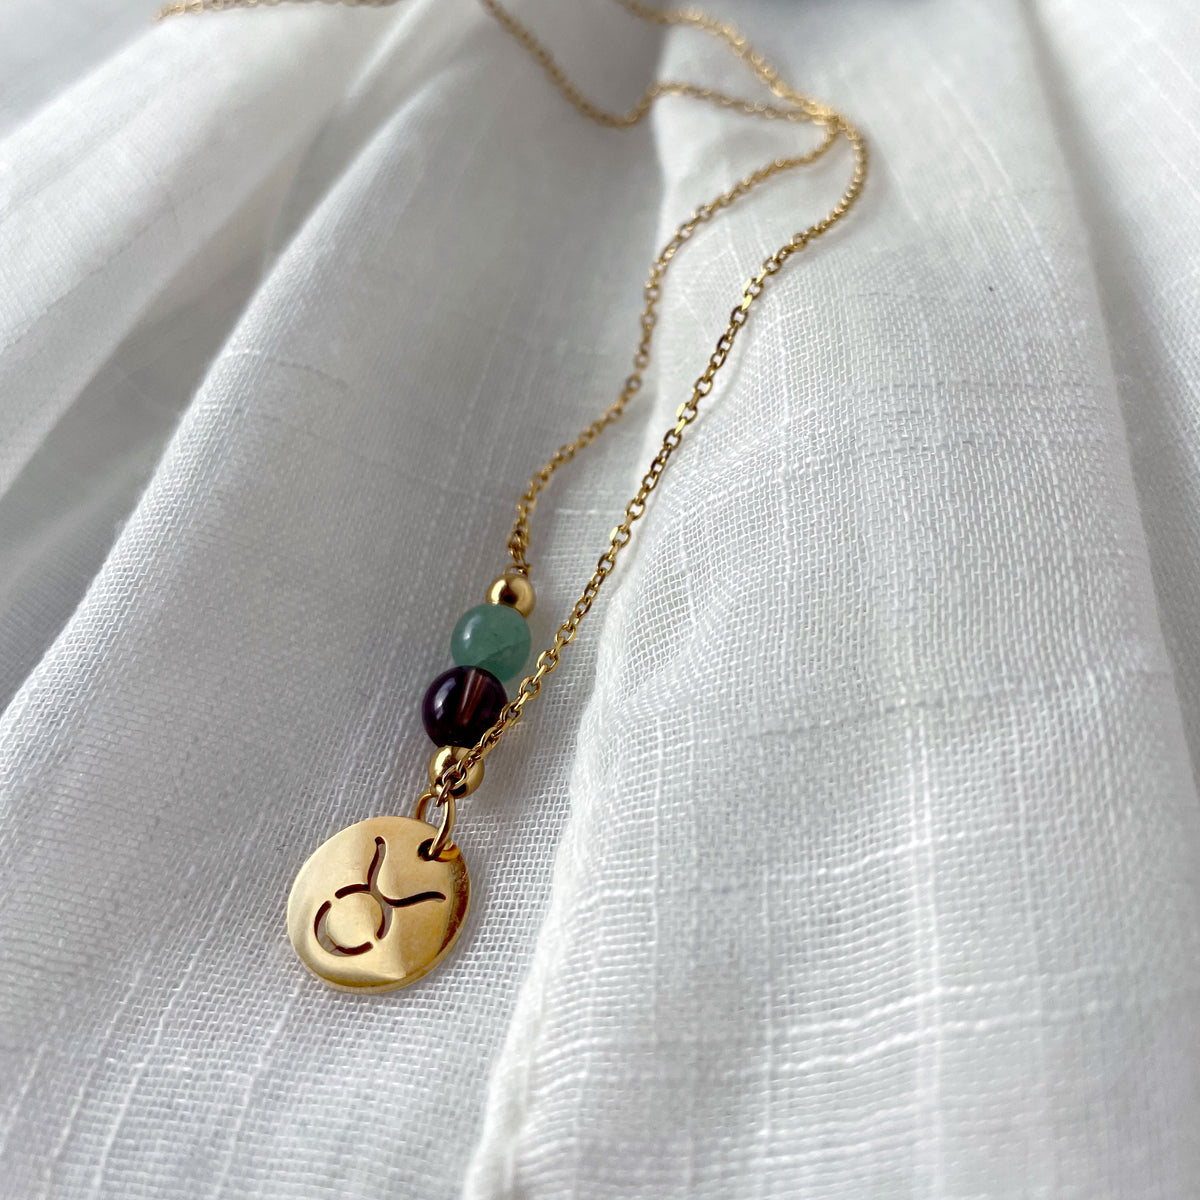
1134	156
856	897
341	483
101	207
155	311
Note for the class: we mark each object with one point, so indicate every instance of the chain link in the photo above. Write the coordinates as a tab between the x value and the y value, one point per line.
796	107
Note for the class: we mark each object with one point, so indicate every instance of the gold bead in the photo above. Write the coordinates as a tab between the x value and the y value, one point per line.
514	590
441	760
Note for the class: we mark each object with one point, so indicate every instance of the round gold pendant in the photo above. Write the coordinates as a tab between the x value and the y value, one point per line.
369	912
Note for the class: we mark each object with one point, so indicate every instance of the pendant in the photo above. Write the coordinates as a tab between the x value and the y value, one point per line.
382	902
372	910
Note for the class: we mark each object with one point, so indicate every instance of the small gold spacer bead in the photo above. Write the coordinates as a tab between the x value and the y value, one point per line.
515	591
442	758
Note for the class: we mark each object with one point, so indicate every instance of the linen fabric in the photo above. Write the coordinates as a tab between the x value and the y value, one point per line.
854	850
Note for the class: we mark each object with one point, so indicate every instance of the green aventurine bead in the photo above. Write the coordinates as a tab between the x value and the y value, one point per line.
492	636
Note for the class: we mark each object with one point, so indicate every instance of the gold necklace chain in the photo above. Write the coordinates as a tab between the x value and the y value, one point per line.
795	107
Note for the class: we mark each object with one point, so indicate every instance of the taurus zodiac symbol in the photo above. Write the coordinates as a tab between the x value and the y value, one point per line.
386	904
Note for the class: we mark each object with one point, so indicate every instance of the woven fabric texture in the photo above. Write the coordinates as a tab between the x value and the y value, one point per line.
853	852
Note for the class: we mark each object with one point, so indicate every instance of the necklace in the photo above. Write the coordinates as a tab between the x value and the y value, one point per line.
382	902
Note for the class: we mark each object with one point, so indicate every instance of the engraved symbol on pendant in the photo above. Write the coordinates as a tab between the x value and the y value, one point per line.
370	911
385	903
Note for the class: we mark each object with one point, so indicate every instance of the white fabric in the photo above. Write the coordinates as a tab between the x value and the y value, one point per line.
853	852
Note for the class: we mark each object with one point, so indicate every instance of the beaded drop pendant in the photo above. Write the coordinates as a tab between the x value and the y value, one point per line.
381	903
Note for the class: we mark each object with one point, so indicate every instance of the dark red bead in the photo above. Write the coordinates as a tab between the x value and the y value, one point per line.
461	705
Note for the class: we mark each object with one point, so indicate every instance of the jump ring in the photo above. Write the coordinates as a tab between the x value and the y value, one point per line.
449	814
